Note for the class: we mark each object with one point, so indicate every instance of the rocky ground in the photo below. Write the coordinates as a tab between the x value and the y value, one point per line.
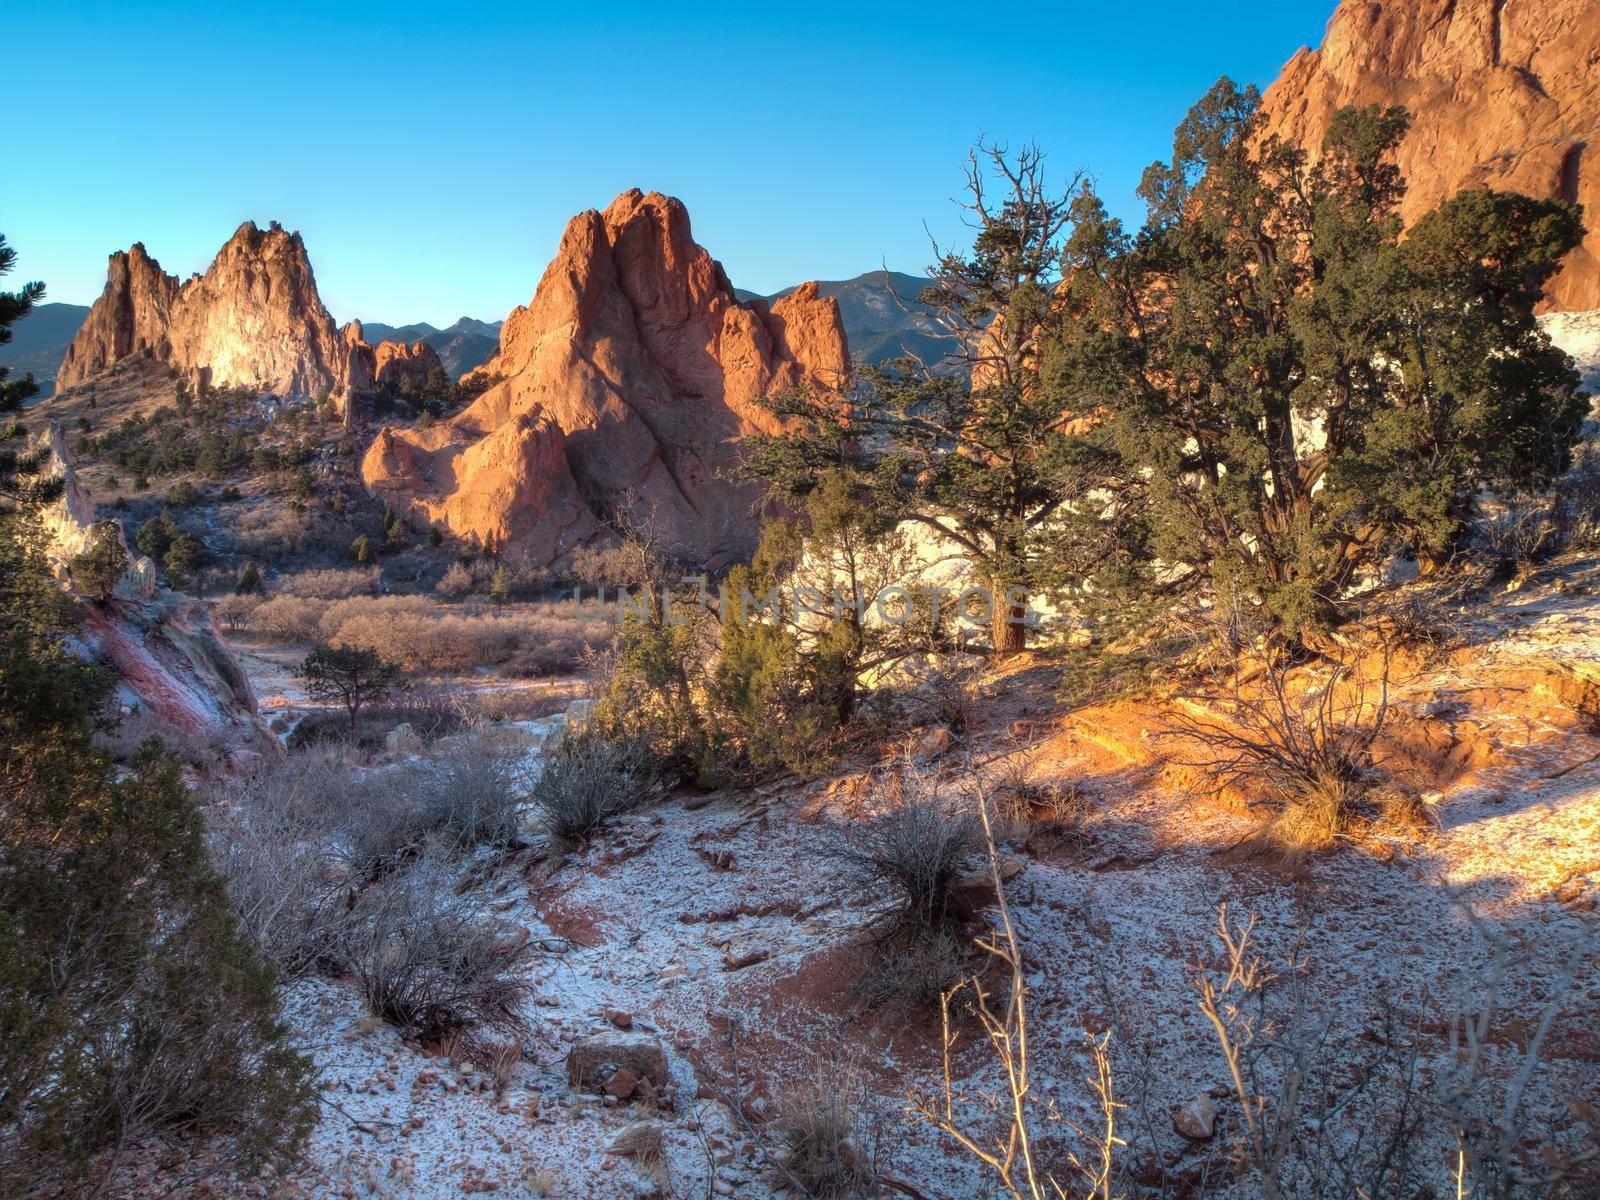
712	930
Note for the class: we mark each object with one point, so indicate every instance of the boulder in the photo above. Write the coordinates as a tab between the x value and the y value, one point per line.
1500	95
176	677
624	389
404	365
596	1059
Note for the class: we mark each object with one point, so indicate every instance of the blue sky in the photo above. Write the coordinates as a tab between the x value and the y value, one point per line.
431	154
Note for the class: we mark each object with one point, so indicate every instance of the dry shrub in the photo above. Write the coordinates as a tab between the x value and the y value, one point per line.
276	534
433	962
1021	806
422	635
586	782
266	838
1330	1112
332	583
456	582
474	788
914	965
235	612
947	693
916	848
295	620
1301	750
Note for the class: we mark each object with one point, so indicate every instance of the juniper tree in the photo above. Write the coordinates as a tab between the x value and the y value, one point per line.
963	447
19	470
1284	391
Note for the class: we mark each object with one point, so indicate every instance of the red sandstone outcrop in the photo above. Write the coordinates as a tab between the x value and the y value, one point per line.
176	677
627	385
253	320
1502	94
405	365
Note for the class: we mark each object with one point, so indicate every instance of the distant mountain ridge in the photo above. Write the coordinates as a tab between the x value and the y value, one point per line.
879	329
39	342
882	317
466	344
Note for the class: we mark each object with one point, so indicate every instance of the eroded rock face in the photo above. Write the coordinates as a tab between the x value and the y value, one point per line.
132	316
253	320
176	678
406	365
626	386
1502	94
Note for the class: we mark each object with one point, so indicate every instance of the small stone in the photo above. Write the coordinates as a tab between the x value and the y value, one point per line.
1197	1119
745	952
622	1084
622	1020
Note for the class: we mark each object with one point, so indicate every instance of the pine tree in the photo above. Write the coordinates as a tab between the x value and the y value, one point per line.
98	569
966	455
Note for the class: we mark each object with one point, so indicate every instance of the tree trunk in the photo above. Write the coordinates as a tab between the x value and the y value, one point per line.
1008	632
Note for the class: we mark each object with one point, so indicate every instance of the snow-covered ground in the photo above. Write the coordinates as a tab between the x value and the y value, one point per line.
706	914
1578	333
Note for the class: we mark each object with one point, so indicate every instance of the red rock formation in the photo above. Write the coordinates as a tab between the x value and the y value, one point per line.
132	316
176	677
405	366
1502	93
638	363
253	320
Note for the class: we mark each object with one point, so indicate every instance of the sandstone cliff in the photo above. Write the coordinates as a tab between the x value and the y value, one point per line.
626	386
407	365
253	320
176	677
1502	93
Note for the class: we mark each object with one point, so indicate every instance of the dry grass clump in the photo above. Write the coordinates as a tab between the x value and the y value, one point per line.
426	635
818	1135
267	842
586	782
331	583
356	874
462	798
1022	806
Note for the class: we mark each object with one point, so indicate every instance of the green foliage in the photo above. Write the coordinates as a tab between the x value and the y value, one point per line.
349	676
101	564
361	551
1285	393
186	555
183	495
500	586
132	1012
156	535
249	581
19	469
970	458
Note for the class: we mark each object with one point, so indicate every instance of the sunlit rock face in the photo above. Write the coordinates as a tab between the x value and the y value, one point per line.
253	320
176	678
625	388
132	316
1502	94
406	365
